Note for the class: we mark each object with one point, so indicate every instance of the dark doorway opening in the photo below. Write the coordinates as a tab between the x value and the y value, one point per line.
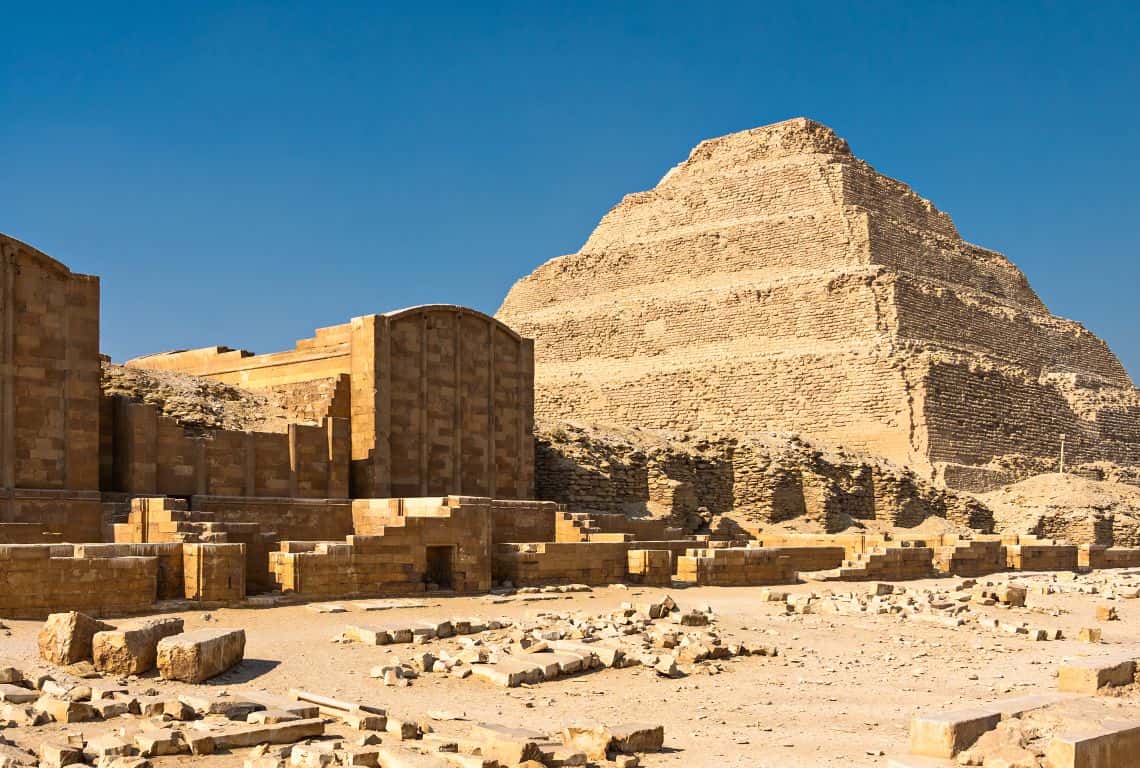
439	566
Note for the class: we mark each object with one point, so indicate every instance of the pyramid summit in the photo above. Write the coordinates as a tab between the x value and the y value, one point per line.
775	282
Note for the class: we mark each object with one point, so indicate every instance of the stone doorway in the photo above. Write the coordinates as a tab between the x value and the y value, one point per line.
440	562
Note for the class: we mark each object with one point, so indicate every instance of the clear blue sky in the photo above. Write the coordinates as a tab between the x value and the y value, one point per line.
241	173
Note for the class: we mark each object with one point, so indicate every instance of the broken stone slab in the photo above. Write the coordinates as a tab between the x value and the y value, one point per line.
14	757
160	742
398	758
509	672
55	755
304	709
65	710
591	739
945	734
1090	675
65	638
11	676
132	650
196	656
279	733
1109	744
633	738
232	707
508	746
15	694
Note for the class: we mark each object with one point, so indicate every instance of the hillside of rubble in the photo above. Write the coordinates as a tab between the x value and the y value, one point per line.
1068	506
199	403
740	486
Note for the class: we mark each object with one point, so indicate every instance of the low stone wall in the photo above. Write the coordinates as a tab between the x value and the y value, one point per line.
410	541
544	563
1092	556
970	558
169	577
214	572
1041	557
890	564
38	581
514	521
755	565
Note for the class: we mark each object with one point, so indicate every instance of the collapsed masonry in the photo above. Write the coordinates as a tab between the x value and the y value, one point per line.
775	282
738	486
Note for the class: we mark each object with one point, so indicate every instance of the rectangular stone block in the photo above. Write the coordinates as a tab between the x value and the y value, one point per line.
945	734
1114	744
1090	675
66	638
132	650
196	656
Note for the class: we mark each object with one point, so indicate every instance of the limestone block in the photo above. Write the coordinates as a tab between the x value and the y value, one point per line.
196	656
631	738
1111	744
945	734
508	746
132	650
65	711
1090	675
65	638
279	733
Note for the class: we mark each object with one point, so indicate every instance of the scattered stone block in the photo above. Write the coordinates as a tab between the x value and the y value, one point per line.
196	656
1105	612
945	734
55	755
1089	635
1090	675
508	746
65	638
132	650
1110	744
65	710
15	694
631	738
280	733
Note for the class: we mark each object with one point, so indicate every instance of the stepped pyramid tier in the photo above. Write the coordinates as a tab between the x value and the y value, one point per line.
775	282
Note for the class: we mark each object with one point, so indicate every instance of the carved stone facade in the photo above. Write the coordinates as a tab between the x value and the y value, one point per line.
775	282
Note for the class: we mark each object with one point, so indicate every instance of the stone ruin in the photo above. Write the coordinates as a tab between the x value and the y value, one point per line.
771	285
775	282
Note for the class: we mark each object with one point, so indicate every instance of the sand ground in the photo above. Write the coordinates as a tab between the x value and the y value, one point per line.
840	694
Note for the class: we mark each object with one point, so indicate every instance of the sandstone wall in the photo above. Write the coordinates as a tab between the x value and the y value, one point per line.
40	579
49	393
153	454
775	282
439	398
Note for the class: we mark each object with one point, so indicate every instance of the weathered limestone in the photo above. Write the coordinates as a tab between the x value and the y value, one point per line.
945	734
1112	744
66	638
1090	675
196	656
132	650
776	255
49	394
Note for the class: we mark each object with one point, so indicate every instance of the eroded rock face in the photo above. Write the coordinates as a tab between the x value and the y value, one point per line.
775	282
66	638
196	656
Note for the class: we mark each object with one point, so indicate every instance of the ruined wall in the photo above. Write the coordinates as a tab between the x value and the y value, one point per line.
775	282
155	455
40	579
391	552
49	393
735	486
439	398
